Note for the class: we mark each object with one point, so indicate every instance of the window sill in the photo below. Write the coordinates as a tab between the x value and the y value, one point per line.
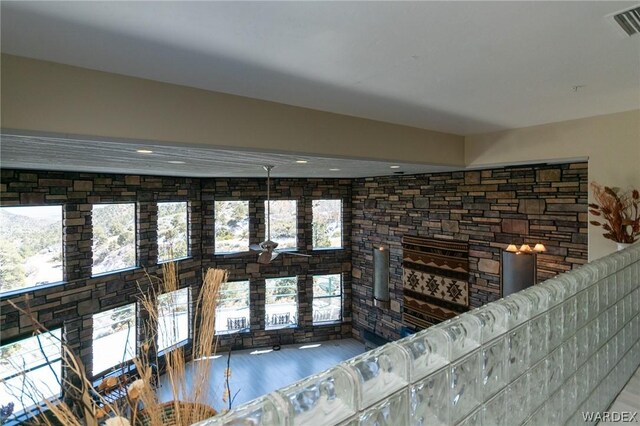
173	347
327	248
227	253
284	327
232	332
177	259
327	323
19	291
117	271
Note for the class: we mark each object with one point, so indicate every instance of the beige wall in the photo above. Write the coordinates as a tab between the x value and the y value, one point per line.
610	142
54	98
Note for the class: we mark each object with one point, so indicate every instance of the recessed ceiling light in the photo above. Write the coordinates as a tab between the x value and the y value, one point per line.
176	162
301	161
144	151
334	170
394	167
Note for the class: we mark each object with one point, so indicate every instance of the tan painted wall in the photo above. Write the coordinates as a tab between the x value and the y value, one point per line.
610	142
54	98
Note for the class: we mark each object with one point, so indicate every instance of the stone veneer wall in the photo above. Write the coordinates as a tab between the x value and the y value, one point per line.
73	303
487	208
246	267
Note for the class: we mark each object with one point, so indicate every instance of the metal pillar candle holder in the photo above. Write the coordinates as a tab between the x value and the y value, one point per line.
519	267
381	277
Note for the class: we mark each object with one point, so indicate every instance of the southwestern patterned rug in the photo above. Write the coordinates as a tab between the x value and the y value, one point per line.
434	280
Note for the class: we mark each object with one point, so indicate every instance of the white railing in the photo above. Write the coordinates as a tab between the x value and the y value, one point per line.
545	356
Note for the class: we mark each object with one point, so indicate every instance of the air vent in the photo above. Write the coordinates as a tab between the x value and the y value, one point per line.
629	20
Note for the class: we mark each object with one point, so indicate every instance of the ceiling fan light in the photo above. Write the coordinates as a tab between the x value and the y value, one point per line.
265	258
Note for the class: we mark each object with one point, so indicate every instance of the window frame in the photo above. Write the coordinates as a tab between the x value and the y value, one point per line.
241	330
215	221
183	342
175	259
122	366
294	324
341	247
18	291
340	296
34	408
280	248
136	263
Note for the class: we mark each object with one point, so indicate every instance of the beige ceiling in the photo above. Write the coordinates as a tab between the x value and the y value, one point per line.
457	67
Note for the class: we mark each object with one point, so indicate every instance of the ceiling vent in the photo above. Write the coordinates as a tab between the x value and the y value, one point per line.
629	20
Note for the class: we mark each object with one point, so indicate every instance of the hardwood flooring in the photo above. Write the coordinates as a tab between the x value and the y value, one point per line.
255	372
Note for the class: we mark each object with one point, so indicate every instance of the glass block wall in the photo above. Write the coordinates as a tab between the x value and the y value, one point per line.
542	356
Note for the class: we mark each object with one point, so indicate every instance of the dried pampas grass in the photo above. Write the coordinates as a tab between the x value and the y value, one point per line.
191	391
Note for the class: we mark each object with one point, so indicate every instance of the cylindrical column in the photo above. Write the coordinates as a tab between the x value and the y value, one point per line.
518	271
381	277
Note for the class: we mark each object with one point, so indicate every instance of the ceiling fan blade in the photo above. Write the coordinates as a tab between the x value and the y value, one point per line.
255	247
293	253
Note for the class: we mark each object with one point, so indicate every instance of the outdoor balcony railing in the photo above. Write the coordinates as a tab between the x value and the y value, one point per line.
543	356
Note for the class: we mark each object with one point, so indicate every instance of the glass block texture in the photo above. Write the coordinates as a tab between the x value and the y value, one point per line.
538	357
379	373
329	395
264	411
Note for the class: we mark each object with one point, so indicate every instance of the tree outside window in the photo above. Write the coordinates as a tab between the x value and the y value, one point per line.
231	226
327	224
30	247
284	223
114	237
173	235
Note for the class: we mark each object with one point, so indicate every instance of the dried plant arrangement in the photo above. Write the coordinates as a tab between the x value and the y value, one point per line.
139	405
620	211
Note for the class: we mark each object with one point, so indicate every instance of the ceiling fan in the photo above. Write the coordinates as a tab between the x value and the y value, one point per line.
268	249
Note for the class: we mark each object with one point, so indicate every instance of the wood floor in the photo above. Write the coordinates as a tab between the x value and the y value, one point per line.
628	400
254	373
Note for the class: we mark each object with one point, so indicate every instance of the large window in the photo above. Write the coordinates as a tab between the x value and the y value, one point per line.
30	370
231	226
284	224
30	246
114	337
173	318
327	224
114	237
173	237
232	311
327	298
281	302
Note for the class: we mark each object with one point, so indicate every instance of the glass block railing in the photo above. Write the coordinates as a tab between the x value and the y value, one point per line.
542	356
